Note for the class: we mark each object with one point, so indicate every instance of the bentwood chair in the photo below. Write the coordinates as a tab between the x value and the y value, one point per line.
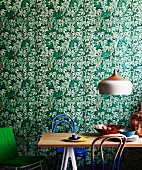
116	152
64	123
9	158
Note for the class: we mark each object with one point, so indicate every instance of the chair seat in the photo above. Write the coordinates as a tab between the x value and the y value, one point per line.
80	154
80	151
96	167
23	161
60	150
76	150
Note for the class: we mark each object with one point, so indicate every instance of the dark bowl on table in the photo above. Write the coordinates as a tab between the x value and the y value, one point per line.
108	128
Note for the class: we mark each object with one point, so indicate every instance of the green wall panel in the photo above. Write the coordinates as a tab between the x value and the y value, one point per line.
53	55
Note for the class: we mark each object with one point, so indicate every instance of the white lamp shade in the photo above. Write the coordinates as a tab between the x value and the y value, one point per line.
115	85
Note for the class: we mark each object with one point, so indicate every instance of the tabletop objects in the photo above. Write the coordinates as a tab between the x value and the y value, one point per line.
108	128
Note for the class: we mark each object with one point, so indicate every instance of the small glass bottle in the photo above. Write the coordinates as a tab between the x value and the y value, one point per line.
136	121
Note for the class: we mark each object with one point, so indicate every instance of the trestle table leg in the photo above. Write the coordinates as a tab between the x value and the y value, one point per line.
68	153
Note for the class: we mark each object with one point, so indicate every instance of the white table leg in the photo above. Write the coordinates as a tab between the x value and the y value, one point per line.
68	153
65	159
72	155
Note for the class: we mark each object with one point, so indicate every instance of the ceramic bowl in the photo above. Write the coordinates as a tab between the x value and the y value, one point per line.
108	128
127	132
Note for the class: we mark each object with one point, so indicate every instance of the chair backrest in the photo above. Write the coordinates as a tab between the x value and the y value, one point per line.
63	119
120	139
8	148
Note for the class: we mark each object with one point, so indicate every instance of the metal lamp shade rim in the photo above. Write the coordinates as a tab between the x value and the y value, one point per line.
117	87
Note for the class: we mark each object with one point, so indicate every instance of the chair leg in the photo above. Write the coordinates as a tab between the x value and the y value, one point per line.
85	163
41	165
57	160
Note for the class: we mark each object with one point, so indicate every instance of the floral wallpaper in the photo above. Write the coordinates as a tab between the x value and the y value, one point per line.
53	55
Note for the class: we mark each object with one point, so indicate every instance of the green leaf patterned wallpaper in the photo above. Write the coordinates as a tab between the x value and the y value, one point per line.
53	55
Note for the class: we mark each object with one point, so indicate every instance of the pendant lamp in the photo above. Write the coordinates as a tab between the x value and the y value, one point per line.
115	85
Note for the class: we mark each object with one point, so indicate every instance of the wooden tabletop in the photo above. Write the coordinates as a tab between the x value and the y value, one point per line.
58	140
